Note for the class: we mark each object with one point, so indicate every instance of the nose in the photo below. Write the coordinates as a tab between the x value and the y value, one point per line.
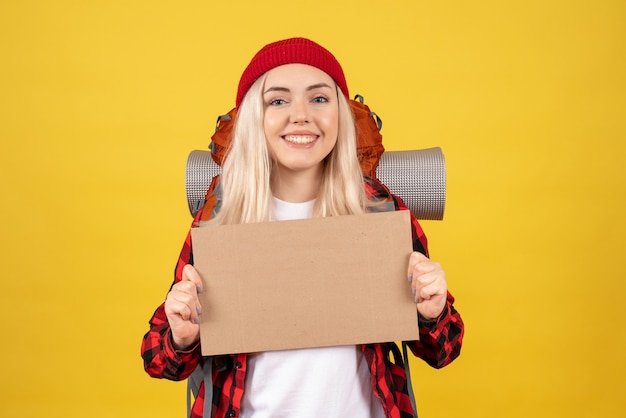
300	113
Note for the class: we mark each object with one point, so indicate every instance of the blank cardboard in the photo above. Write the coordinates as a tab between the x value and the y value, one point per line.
305	283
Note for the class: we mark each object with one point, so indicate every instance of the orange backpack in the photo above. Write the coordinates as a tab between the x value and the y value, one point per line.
369	149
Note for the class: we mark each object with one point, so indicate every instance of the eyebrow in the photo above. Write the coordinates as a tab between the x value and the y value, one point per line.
286	90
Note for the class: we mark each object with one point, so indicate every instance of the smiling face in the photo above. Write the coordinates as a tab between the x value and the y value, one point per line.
301	118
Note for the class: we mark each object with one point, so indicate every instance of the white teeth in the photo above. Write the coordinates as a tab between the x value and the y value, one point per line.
296	139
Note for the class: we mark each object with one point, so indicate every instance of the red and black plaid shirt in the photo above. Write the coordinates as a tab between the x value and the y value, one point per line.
439	344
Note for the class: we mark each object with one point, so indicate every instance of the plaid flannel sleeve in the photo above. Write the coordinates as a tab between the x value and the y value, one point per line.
161	359
440	339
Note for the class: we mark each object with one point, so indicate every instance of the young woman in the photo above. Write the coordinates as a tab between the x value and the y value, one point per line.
293	156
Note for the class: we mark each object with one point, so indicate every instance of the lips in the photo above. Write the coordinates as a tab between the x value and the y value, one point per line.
300	139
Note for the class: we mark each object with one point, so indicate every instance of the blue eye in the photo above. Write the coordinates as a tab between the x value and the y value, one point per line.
320	99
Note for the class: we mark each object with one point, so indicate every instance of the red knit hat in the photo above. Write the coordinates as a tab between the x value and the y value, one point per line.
291	51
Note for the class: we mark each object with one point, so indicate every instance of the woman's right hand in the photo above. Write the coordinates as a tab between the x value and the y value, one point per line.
183	309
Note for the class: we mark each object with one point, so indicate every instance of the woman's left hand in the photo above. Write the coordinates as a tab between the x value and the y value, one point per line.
428	283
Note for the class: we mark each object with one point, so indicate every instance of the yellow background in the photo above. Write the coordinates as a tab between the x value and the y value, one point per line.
101	101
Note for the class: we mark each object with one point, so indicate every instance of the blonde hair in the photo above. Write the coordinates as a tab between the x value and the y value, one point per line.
341	191
247	168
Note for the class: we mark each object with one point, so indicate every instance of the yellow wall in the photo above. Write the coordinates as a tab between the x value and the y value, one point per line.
100	102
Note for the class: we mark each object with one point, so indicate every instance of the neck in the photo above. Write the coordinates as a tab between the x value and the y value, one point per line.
296	186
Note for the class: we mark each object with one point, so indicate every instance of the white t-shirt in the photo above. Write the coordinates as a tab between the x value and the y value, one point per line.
308	383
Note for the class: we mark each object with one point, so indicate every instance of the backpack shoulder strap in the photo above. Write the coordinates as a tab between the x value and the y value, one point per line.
212	200
202	373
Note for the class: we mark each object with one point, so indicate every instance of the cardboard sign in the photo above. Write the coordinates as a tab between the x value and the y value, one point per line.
305	283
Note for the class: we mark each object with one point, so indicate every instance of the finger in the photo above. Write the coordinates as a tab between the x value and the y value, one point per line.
427	272
421	266
188	307
191	277
424	268
176	305
415	259
185	292
430	290
421	281
186	286
432	301
191	274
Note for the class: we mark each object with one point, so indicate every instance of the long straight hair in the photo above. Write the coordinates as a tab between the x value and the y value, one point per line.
247	168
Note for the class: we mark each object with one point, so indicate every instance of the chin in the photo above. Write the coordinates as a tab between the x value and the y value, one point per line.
299	165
